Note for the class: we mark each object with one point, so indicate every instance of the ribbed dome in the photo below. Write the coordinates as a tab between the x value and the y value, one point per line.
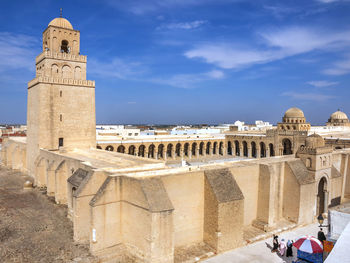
294	113
61	22
339	115
314	141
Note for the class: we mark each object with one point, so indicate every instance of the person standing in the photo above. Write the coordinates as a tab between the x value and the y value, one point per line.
282	247
275	243
289	248
321	236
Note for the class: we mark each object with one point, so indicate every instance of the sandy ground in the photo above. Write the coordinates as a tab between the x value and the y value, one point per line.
32	227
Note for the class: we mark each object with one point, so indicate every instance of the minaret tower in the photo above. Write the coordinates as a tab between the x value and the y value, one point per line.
61	102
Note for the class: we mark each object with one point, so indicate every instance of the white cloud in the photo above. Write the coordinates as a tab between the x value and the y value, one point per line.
307	96
116	68
189	80
18	51
184	25
278	44
338	68
322	83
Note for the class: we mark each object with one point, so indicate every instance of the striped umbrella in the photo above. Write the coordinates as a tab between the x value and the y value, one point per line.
309	244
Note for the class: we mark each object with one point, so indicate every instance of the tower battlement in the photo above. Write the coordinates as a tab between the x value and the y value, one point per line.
60	56
48	80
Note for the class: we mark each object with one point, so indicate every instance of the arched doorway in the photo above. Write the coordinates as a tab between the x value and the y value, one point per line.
201	148
132	150
237	148
221	148
110	148
272	152
194	149
160	151
151	149
253	144
322	196
207	150
178	150
287	147
229	148
245	149
215	146
169	150
121	149
186	147
142	149
262	150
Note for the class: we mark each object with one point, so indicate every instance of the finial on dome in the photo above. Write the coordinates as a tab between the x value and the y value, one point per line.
60	12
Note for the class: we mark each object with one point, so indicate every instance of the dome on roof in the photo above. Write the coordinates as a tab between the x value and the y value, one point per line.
339	115
294	113
61	22
314	141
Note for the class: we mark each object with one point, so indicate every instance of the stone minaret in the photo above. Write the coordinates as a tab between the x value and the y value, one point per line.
61	102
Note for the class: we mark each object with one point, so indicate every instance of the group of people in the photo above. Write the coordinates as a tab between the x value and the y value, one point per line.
282	247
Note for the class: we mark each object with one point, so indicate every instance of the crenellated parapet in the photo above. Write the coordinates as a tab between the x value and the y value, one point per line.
60	81
311	150
60	56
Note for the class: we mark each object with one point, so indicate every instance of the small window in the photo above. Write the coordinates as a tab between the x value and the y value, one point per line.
60	93
60	142
60	117
64	46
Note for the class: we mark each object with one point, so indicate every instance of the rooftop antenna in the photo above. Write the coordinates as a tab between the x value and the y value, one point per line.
60	12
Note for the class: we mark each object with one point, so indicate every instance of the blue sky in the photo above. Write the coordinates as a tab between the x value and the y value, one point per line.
190	61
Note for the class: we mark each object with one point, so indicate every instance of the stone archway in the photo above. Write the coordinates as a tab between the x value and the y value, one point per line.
322	196
287	147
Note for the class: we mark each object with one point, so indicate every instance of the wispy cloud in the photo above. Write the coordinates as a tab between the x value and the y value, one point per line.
328	1
338	68
140	7
116	68
322	83
18	51
307	96
187	81
277	44
183	25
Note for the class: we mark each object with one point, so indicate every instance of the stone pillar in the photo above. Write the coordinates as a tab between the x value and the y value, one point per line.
211	150
136	151
249	152
173	153
267	151
197	151
258	153
155	155
241	153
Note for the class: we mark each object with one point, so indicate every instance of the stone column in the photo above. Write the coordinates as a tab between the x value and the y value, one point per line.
249	152
197	151
241	153
267	151
211	150
173	153
258	153
155	154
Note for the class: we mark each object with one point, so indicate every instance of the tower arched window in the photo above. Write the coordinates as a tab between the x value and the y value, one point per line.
64	46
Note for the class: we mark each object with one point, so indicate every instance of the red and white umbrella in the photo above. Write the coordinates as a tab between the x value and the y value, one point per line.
309	244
